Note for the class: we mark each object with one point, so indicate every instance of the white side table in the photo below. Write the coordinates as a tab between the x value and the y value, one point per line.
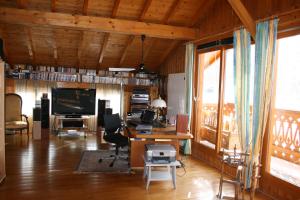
160	175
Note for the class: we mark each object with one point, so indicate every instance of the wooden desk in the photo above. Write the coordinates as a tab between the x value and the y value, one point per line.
138	141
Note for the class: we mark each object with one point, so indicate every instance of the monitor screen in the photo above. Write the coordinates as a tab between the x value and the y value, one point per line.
147	116
73	101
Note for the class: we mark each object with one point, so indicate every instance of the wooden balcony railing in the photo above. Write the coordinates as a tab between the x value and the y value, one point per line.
286	135
285	130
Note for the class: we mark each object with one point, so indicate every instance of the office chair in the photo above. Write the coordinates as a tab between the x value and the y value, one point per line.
112	126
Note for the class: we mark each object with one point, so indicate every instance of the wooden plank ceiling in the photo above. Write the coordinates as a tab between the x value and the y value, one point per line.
63	46
97	34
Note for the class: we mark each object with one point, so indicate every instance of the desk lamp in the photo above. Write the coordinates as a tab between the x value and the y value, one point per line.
158	104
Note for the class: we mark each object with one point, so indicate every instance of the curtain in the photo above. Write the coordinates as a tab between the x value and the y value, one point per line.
32	90
242	71
265	50
189	66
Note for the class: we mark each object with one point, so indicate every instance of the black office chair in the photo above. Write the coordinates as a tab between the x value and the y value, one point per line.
113	126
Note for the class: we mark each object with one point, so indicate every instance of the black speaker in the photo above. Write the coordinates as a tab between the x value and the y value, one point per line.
101	112
36	114
108	111
45	112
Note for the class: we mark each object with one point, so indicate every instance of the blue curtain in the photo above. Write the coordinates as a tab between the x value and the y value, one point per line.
265	50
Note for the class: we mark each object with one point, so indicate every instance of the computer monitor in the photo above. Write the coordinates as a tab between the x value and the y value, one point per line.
147	117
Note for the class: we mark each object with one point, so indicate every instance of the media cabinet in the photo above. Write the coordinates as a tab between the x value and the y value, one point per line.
65	124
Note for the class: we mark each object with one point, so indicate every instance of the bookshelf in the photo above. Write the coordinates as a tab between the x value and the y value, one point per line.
71	74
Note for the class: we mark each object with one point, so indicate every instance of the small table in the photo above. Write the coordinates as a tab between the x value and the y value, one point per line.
160	175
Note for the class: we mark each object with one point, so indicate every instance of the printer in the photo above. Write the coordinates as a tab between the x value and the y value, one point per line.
160	153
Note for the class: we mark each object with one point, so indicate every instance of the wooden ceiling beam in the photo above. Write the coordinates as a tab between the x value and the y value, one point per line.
244	15
129	42
145	10
31	50
22	4
81	40
115	9
103	47
131	38
85	7
171	11
53	5
79	22
107	35
166	19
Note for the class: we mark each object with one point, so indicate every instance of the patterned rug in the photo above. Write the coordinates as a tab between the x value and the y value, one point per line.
89	162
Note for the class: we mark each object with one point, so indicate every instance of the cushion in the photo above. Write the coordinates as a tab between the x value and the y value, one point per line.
15	125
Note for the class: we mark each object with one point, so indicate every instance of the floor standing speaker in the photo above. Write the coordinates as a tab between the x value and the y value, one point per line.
45	112
101	112
36	124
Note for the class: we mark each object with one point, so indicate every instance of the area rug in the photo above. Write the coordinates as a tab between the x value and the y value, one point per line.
89	162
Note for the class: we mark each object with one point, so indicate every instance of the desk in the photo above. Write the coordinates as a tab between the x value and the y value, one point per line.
166	135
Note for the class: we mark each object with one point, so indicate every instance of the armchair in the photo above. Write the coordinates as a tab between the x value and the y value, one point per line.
14	119
112	125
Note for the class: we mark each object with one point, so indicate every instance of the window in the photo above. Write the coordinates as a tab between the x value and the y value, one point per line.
209	65
285	138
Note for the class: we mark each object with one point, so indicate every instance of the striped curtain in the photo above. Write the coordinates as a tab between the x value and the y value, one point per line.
242	85
265	50
189	66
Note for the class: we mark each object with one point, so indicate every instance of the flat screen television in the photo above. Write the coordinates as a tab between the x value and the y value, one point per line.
73	101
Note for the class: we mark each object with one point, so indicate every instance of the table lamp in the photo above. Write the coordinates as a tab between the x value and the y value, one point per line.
158	104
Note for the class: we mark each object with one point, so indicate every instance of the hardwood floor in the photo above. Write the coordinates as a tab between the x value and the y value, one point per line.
46	170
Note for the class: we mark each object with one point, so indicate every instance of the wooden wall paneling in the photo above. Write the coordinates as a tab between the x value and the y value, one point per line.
69	6
175	63
185	12
2	123
101	8
9	85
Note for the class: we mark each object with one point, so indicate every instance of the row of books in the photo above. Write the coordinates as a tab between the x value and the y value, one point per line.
57	76
73	70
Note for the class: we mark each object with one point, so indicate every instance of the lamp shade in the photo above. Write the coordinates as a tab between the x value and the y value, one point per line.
158	103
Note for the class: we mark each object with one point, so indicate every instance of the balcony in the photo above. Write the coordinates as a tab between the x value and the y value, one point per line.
285	149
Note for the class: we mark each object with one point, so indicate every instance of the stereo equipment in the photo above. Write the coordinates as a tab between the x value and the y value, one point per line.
45	112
